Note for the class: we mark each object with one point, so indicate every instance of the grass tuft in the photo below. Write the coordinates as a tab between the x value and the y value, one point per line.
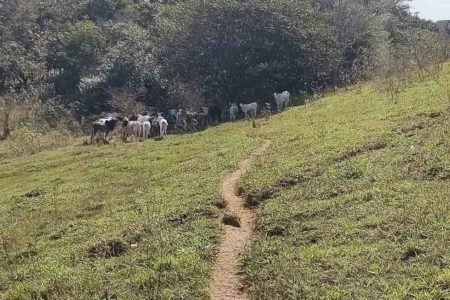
108	249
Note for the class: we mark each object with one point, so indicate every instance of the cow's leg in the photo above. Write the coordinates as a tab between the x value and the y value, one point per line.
94	132
139	130
124	134
108	135
103	135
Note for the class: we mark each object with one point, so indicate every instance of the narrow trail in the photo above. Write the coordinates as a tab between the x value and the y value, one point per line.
226	283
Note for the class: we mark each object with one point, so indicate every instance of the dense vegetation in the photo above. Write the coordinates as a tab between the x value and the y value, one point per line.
67	58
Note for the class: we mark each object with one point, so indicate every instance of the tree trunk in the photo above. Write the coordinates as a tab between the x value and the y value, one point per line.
6	129
335	76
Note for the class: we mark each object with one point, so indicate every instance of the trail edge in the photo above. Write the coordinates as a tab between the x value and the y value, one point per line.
226	282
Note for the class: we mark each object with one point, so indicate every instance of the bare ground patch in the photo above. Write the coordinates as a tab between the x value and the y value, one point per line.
354	152
108	249
231	220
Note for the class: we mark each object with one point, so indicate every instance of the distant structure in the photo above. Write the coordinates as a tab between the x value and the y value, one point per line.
444	27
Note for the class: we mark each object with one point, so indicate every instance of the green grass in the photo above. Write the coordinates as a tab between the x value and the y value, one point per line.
156	199
353	203
354	199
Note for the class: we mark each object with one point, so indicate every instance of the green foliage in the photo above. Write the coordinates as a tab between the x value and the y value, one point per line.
17	22
128	62
81	50
105	9
162	52
401	21
18	69
249	50
83	44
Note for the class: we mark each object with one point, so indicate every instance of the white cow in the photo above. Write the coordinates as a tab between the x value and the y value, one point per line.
133	130
282	100
104	126
142	119
250	109
163	124
146	127
234	110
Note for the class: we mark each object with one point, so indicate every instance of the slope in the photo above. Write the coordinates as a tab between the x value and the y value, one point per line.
122	221
352	198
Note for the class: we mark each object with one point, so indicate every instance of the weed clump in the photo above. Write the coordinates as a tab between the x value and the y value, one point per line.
26	254
295	179
351	153
33	194
179	220
410	254
353	174
437	172
434	115
276	231
255	198
411	130
90	211
220	204
108	249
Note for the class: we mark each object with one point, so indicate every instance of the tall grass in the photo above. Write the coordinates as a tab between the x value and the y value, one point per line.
24	141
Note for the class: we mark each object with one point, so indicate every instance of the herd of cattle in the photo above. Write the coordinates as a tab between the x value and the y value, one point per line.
144	126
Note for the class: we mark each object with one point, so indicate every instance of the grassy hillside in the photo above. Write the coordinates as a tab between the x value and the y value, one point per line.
131	220
352	200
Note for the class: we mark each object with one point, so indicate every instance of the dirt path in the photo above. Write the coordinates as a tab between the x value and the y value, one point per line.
226	283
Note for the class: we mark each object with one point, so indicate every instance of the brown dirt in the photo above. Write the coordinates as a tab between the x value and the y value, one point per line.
348	154
226	283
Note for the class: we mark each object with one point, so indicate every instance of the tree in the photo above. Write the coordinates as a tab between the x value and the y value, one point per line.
196	52
20	69
250	49
104	10
81	50
358	28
